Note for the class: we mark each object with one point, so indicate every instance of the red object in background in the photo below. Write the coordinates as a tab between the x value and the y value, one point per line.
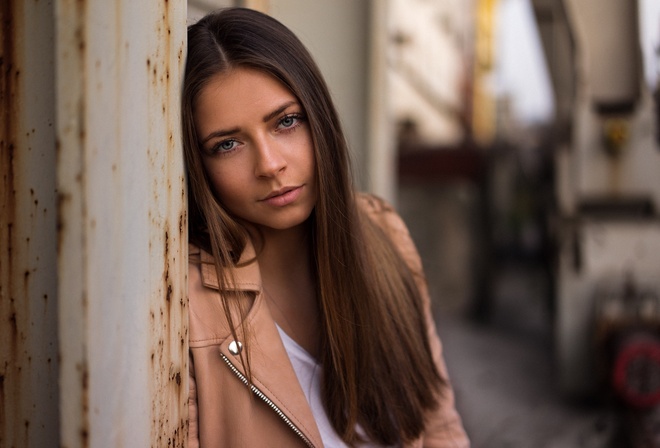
636	370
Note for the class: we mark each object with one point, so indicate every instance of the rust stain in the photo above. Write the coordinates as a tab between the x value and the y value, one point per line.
10	377
21	351
75	134
8	112
169	425
84	384
63	199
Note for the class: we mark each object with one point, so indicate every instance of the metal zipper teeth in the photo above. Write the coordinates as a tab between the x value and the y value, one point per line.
268	401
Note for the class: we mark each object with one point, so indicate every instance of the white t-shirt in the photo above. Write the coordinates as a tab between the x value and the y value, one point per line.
308	372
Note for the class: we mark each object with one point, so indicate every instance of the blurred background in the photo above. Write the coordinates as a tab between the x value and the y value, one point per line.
519	139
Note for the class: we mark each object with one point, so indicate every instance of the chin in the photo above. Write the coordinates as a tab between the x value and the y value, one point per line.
288	222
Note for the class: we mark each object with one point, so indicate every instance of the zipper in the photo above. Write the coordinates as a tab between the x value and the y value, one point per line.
255	390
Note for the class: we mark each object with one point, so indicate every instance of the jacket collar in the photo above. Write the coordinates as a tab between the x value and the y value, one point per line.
272	374
245	277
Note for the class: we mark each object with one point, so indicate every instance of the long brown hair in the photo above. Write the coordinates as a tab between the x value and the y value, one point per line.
377	366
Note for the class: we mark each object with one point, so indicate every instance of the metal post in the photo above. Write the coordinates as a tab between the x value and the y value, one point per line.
121	223
28	284
93	336
381	156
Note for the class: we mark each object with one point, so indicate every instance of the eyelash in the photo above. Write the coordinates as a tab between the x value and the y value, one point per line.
217	148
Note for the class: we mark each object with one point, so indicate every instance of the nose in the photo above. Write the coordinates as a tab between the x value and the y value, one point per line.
269	158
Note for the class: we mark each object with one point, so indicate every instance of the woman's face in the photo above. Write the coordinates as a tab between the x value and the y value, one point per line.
257	148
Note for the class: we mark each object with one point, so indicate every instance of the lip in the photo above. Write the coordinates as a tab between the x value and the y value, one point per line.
283	196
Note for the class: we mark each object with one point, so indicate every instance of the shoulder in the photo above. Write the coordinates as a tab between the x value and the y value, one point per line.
371	203
385	216
382	213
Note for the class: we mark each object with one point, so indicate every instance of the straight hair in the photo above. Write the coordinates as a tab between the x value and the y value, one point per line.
377	366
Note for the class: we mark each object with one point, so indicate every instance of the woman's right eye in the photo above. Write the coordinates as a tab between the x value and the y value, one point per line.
224	146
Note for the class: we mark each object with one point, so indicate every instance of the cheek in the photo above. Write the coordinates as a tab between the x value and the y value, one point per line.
308	155
226	183
311	163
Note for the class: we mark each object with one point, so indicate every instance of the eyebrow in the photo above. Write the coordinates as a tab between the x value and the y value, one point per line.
220	133
269	116
279	110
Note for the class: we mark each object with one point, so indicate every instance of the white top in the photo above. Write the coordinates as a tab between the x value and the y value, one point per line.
308	372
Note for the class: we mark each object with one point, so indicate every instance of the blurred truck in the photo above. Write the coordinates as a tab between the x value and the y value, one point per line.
606	224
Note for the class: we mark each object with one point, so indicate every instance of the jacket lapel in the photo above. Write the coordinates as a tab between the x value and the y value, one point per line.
246	277
272	372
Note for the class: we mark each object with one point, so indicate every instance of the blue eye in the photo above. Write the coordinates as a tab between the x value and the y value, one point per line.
226	145
290	121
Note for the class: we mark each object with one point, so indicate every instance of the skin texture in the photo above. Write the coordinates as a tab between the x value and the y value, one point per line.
255	143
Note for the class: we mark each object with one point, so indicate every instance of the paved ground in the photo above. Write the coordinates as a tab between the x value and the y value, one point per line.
503	374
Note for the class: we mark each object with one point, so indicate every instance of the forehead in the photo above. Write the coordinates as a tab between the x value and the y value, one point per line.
241	91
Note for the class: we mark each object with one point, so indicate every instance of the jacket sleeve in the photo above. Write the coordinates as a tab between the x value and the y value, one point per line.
193	427
444	428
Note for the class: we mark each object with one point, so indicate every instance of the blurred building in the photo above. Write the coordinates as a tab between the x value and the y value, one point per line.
430	61
397	70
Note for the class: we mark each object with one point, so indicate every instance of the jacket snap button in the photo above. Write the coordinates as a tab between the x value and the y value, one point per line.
235	347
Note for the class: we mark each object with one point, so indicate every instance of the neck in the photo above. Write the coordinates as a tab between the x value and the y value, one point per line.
284	254
288	282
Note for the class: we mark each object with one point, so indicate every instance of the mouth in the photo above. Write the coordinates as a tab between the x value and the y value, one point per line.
280	192
283	197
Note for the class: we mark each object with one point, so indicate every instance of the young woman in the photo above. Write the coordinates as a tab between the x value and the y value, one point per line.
310	321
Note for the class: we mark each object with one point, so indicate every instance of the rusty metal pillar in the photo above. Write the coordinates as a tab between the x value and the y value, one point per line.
121	223
93	311
28	283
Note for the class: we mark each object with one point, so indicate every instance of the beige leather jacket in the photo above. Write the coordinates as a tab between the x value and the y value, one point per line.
275	413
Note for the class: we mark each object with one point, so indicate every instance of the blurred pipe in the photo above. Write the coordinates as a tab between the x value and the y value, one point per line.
483	107
381	159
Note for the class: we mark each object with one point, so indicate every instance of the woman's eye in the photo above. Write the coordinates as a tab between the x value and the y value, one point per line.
289	121
225	146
